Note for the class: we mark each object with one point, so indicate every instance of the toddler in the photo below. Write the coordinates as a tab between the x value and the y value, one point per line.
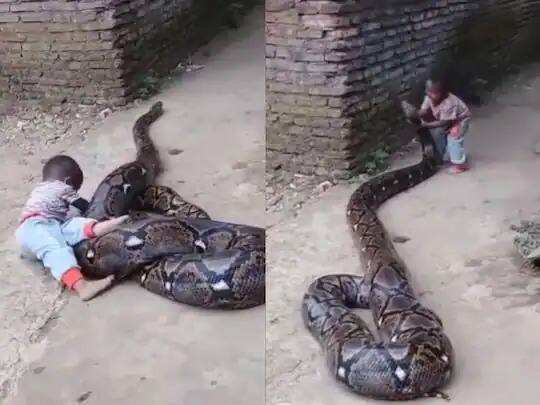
447	118
47	234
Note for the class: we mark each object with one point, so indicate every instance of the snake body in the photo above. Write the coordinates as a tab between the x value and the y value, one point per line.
413	357
171	244
119	190
166	201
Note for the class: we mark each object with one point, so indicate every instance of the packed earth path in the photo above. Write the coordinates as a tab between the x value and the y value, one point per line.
130	346
457	245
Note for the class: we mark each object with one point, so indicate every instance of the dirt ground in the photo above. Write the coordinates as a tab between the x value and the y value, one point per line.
460	256
130	346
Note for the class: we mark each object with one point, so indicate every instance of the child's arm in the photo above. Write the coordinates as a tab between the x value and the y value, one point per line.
447	118
438	123
425	110
103	227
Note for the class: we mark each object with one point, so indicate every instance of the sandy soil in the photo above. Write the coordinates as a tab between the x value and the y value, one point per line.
130	346
460	256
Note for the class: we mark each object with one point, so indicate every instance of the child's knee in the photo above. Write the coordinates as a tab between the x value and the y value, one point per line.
59	260
438	132
76	229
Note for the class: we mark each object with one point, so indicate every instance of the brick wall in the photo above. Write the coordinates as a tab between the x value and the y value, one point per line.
158	34
58	49
336	69
97	51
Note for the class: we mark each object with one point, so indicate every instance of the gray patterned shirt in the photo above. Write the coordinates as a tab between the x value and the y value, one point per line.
50	199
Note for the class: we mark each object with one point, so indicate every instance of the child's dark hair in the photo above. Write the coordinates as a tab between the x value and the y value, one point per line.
63	168
440	78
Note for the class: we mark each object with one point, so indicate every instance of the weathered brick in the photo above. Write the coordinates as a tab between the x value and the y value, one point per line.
83	16
9	17
34	17
13	37
98	25
61	18
68	46
27	6
103	64
281	30
310	33
285	65
337	56
283	17
74	65
324	22
279	5
104	35
99	4
36	46
11	46
341	33
59	5
61	27
371	26
319	7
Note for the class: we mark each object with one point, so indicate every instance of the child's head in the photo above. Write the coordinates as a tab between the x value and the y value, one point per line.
436	88
64	169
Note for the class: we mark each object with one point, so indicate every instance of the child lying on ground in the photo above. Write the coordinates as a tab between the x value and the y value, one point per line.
447	118
46	234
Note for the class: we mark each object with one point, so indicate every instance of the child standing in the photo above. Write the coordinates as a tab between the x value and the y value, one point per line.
47	234
447	118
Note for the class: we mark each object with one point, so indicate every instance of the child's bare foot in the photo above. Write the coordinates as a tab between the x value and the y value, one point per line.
457	169
89	289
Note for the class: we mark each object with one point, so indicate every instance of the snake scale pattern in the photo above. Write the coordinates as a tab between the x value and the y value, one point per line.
413	357
172	245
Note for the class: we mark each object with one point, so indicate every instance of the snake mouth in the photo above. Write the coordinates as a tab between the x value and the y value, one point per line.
84	252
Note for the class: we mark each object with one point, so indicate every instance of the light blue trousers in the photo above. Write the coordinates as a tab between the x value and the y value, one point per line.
50	241
451	148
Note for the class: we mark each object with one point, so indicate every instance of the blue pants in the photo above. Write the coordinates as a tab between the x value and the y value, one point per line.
50	241
450	148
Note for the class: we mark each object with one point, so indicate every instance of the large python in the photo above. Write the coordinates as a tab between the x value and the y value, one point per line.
413	357
172	245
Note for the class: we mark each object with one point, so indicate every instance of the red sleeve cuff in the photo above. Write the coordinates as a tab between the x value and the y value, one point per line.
70	277
88	230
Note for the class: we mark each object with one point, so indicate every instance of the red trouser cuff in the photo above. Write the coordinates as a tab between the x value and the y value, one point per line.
88	230
70	277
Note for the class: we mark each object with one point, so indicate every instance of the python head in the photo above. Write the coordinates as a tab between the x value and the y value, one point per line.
102	256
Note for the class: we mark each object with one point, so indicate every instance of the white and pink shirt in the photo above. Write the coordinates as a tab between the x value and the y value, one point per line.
50	199
452	108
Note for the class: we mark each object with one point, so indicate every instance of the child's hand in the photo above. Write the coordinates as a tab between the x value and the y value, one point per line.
122	219
455	131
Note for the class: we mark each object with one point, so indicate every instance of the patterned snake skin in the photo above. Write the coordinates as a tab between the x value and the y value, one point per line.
172	245
413	358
